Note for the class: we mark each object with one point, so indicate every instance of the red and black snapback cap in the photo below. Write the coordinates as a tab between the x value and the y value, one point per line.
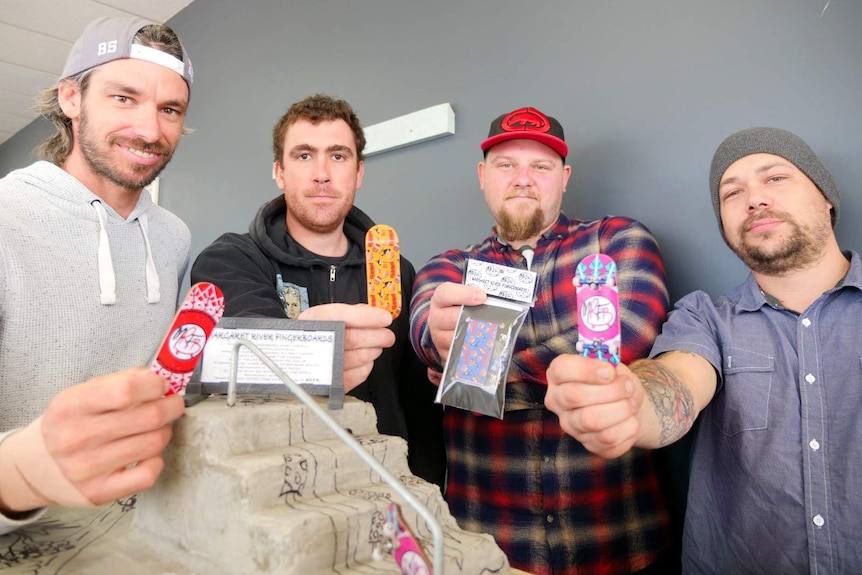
527	124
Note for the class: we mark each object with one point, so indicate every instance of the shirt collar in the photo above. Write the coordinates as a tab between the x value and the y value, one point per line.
752	297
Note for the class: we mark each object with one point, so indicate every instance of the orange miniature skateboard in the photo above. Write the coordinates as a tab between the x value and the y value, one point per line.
383	268
181	349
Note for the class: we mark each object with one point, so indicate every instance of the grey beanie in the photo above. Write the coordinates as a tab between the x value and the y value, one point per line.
771	141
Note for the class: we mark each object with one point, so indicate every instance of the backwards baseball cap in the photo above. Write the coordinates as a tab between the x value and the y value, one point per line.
107	39
527	124
779	143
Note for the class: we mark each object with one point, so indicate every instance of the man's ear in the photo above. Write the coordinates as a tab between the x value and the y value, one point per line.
567	172
69	97
278	175
360	173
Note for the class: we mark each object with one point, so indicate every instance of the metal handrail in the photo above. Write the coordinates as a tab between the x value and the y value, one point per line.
310	403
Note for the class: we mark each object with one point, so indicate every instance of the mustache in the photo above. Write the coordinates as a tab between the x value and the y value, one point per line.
321	191
769	215
531	195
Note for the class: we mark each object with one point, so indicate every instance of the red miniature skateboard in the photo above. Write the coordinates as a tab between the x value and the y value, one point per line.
181	349
400	541
383	268
598	308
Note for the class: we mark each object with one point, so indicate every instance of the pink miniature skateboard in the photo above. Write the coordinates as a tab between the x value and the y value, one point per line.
400	541
383	268
598	308
195	320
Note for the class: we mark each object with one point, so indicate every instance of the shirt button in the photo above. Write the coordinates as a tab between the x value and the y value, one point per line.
806	322
813	444
819	521
546	458
550	518
810	378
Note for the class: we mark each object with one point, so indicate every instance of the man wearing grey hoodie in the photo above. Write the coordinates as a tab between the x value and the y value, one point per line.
80	222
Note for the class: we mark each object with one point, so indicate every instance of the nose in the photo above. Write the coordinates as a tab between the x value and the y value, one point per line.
758	199
146	125
524	176
321	170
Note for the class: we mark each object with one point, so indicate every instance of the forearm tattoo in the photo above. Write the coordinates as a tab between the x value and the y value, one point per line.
673	401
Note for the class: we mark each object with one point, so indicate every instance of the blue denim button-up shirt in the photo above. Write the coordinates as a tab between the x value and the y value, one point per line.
776	469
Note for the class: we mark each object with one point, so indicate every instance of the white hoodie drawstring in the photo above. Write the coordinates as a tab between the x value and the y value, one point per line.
153	285
107	278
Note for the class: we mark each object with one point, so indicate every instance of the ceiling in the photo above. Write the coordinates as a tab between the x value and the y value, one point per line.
36	35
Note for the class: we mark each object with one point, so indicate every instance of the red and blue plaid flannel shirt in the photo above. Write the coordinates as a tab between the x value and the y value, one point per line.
552	506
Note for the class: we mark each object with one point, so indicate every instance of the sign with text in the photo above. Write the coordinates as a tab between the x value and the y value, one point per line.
310	352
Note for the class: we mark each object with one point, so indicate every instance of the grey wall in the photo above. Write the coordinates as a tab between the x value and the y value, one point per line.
645	90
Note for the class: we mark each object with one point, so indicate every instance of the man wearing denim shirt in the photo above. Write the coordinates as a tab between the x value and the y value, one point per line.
772	368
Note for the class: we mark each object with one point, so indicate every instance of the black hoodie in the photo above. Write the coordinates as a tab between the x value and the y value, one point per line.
244	266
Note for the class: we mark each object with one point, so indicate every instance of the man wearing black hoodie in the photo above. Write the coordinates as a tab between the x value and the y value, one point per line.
311	241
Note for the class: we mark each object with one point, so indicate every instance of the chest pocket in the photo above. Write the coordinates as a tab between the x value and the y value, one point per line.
742	403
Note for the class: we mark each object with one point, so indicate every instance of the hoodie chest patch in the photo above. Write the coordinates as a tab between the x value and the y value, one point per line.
294	298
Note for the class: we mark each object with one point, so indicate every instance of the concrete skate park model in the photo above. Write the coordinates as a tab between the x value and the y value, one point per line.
262	487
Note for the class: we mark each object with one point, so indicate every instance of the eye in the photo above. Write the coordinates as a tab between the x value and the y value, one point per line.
303	156
731	193
776	179
122	99
338	157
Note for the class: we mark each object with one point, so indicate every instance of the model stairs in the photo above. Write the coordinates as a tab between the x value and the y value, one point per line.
265	487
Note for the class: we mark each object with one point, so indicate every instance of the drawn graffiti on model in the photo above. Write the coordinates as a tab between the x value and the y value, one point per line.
45	546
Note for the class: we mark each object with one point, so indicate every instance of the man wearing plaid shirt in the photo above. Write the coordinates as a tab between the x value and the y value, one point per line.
552	506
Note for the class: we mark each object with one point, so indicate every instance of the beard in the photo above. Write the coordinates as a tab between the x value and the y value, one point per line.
801	247
322	220
516	227
98	159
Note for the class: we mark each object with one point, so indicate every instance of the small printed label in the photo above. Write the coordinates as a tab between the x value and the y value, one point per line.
502	281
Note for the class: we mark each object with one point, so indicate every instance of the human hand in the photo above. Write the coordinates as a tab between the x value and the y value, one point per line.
445	308
96	442
366	334
597	403
435	376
